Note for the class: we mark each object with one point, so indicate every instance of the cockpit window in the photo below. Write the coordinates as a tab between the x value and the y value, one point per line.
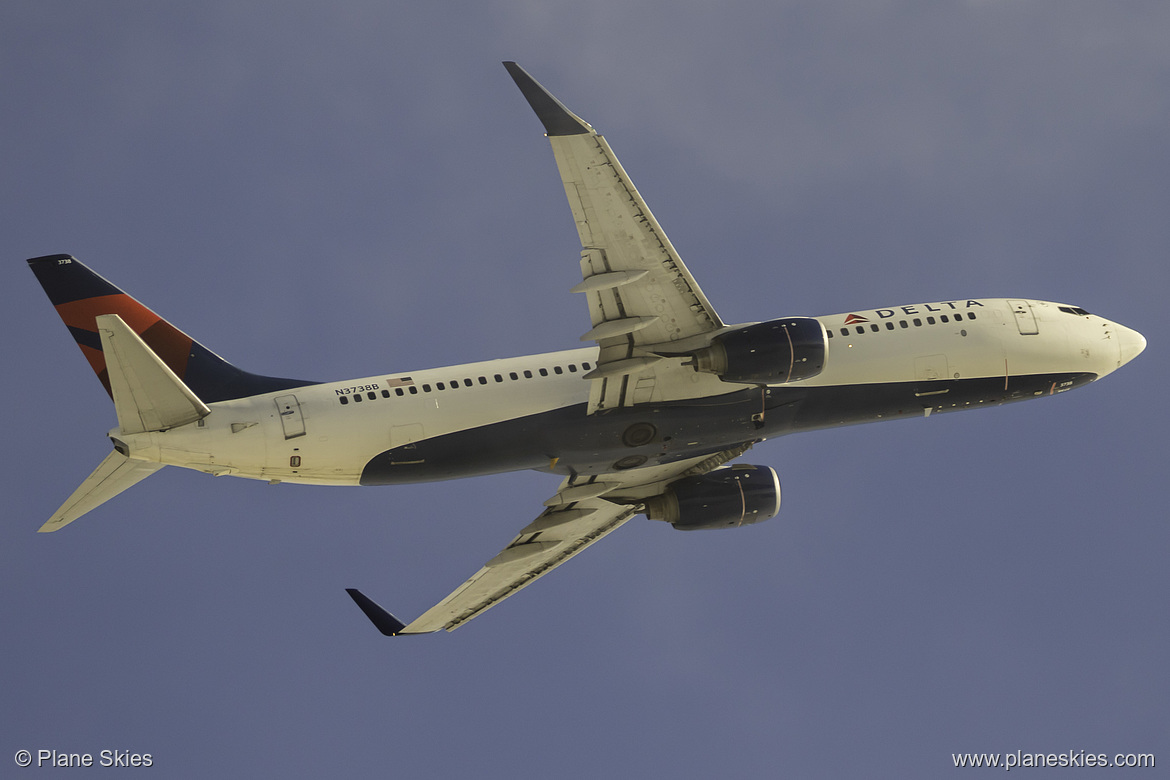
1074	310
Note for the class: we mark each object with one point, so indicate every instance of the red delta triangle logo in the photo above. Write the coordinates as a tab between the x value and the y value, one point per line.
852	318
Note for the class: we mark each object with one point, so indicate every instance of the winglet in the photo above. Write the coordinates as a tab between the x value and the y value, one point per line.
382	620
557	119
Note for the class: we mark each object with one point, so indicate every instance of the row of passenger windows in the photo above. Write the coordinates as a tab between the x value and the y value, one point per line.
917	321
413	389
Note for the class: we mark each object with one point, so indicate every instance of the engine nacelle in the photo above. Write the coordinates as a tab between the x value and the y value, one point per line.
724	498
767	353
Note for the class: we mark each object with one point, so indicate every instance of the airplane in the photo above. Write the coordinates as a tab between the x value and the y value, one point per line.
646	419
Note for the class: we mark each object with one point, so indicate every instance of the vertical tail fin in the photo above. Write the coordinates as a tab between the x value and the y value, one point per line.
81	296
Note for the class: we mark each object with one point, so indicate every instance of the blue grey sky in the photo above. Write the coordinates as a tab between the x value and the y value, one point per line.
327	190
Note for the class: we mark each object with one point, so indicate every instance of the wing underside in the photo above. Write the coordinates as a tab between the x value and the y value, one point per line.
642	299
550	540
580	513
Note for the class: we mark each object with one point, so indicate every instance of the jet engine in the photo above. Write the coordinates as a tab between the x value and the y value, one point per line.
724	498
767	353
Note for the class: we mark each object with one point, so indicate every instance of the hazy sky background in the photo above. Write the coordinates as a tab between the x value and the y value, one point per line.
327	190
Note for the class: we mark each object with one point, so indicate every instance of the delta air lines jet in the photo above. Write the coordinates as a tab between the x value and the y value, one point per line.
645	419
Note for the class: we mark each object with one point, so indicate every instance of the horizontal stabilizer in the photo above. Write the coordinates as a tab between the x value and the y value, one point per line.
382	620
148	396
115	474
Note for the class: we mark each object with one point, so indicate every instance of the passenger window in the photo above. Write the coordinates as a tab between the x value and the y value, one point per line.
483	380
828	333
917	323
499	378
860	330
440	386
385	393
426	388
372	395
544	372
585	366
903	323
343	400
874	327
930	320
970	315
558	370
844	331
572	368
943	317
527	374
467	383
357	399
398	391
889	326
413	390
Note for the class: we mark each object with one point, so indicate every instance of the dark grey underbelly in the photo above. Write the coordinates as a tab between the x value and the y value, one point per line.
567	440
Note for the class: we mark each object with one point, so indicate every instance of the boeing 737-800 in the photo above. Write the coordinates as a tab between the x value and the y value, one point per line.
646	419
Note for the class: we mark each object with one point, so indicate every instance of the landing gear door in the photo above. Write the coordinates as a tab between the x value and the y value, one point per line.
291	418
1025	319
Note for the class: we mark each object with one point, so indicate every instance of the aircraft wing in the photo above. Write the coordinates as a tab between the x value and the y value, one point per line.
113	475
641	296
580	513
545	543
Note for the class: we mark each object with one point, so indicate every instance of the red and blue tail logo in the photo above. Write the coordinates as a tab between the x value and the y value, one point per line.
80	296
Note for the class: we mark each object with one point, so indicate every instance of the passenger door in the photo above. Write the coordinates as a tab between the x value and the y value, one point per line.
1025	319
291	418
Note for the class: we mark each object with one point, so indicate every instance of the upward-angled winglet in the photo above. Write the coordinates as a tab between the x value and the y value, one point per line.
382	620
557	119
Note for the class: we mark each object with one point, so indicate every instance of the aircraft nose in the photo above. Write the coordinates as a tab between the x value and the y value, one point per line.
1132	343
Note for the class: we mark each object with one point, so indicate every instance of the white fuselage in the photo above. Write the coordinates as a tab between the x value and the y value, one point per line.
328	433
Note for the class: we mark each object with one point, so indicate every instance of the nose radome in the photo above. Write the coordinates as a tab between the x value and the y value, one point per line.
1132	343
